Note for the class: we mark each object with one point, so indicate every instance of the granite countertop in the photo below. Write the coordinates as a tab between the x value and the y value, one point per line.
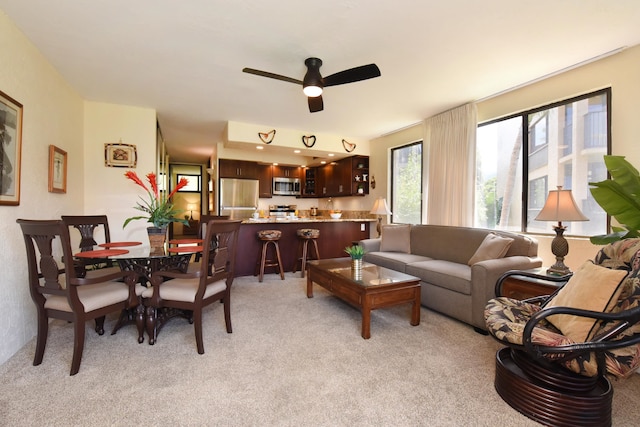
304	219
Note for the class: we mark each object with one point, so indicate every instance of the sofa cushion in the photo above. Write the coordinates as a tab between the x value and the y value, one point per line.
393	260
396	238
445	274
592	287
492	247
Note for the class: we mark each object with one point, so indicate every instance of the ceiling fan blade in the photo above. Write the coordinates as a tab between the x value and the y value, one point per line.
315	104
271	75
351	75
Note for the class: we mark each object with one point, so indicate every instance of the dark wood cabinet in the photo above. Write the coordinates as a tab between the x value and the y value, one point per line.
265	188
346	177
359	175
238	169
286	171
310	185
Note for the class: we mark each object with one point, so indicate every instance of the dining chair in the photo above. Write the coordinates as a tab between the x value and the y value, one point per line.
202	229
192	291
88	225
59	293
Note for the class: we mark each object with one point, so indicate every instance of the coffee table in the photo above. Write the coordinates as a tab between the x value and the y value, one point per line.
378	287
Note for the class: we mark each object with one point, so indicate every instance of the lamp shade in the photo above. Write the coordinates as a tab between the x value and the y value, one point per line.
380	207
560	206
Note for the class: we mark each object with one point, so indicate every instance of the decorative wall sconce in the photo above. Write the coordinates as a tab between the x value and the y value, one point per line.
309	141
267	137
348	147
373	182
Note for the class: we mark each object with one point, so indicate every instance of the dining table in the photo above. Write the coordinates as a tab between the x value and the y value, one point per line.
143	261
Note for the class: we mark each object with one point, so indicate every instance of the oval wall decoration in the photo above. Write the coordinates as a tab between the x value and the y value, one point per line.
309	141
267	137
349	147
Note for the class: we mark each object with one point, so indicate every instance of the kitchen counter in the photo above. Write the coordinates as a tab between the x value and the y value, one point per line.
335	235
304	220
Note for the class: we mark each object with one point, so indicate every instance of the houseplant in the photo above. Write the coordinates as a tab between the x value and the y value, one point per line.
356	252
158	209
619	197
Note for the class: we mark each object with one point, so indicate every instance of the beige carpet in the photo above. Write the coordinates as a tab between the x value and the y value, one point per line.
291	361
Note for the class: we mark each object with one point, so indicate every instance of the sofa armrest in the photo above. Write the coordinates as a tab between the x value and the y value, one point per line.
484	276
370	245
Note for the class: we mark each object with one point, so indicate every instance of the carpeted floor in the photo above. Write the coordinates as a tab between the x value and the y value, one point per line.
290	361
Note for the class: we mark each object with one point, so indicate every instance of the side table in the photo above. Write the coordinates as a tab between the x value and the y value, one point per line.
523	284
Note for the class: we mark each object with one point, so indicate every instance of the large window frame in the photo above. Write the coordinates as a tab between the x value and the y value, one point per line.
406	207
555	142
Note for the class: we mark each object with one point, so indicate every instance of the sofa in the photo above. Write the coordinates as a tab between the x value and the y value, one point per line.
458	267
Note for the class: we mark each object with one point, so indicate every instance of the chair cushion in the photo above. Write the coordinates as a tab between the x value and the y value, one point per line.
184	289
492	247
396	238
92	297
269	234
591	287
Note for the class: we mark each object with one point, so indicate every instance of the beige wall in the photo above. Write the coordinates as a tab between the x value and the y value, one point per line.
620	72
106	188
52	115
55	114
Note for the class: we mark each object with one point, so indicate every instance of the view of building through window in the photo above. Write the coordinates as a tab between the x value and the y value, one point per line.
406	185
564	145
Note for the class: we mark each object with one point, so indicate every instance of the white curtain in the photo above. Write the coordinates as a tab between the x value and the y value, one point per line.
450	144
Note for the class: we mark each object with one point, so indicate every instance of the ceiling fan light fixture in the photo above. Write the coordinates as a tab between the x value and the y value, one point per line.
312	91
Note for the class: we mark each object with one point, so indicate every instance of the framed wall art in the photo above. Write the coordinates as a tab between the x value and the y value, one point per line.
193	186
10	149
120	155
57	170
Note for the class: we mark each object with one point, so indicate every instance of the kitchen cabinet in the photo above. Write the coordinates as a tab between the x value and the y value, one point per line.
266	179
310	184
238	169
286	171
346	177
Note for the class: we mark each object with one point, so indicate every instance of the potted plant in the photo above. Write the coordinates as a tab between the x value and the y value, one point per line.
159	209
619	197
356	252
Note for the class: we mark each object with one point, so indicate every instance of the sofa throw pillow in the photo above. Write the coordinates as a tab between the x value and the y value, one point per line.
492	247
396	238
592	287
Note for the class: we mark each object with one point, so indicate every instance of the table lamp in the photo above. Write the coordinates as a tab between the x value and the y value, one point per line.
191	206
380	208
560	206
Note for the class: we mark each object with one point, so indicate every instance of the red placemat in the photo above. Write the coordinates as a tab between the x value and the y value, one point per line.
185	249
101	253
118	244
184	241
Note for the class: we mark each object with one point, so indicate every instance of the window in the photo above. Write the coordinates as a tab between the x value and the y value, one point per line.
193	185
406	184
564	144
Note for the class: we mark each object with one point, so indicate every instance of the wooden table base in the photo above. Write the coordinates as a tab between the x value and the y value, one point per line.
562	399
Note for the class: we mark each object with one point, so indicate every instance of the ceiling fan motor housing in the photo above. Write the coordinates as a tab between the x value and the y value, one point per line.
313	79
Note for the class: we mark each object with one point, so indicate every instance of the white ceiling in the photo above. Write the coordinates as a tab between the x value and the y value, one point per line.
184	58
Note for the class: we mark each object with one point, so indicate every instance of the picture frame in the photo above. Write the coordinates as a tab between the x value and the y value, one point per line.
10	149
120	155
57	170
194	185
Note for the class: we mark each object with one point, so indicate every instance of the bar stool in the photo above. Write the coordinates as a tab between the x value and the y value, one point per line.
306	235
269	237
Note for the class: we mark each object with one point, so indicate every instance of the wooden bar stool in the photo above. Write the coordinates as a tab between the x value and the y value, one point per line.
269	237
306	235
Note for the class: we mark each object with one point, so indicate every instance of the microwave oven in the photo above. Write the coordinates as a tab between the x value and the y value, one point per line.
286	186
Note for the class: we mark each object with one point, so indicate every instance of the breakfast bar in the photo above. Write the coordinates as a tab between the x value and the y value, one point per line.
335	235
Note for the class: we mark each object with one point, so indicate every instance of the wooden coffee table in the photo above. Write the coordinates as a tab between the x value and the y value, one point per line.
378	287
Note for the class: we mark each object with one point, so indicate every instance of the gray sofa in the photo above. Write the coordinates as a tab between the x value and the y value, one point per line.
439	256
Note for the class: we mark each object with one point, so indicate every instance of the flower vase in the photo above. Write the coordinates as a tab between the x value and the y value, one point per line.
157	238
356	268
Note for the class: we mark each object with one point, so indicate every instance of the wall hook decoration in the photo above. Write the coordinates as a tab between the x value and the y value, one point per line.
309	141
349	147
267	137
372	182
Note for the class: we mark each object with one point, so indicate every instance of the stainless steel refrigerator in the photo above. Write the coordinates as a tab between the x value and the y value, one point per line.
238	197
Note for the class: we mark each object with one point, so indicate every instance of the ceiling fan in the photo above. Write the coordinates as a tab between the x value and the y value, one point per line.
313	82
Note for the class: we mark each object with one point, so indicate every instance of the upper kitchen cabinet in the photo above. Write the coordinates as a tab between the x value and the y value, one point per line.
346	177
238	169
286	171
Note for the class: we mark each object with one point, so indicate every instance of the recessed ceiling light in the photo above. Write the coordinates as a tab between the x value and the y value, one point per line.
331	154
322	162
275	164
296	151
259	147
